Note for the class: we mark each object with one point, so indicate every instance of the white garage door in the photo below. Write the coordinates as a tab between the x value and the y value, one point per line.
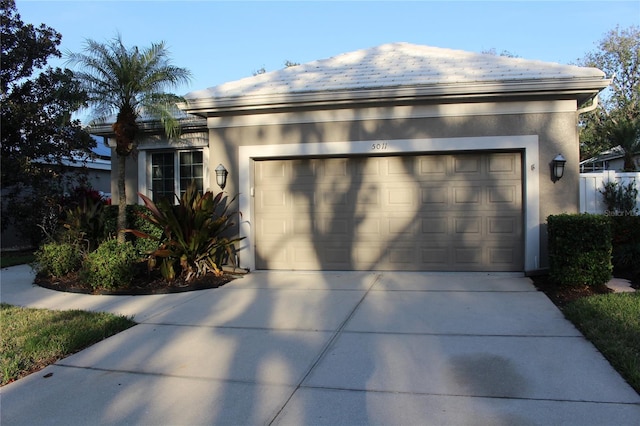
445	212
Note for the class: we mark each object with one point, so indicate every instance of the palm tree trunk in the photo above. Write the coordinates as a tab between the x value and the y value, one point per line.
122	198
125	129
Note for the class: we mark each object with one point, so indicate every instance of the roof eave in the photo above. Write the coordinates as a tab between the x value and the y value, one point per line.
581	89
187	124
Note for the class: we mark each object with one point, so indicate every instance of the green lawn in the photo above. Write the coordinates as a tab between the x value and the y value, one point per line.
31	339
612	323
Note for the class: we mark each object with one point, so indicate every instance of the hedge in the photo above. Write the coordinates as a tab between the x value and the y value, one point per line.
580	249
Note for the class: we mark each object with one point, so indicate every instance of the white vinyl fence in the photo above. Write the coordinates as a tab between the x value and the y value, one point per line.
591	200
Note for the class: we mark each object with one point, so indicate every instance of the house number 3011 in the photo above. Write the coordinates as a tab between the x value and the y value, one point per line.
379	146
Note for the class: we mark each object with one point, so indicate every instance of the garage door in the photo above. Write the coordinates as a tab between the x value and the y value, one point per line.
445	212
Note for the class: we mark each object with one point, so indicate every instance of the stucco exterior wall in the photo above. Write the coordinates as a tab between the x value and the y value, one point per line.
556	131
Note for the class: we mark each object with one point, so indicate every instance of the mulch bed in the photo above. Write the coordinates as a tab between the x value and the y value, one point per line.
143	283
563	295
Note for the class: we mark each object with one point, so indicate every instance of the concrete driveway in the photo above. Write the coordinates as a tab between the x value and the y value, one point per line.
297	348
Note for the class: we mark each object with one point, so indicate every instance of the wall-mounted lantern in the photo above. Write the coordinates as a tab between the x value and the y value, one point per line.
221	176
558	167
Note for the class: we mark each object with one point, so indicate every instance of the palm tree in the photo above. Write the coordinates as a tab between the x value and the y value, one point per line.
130	83
625	133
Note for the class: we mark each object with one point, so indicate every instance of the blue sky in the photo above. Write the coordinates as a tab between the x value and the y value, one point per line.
220	41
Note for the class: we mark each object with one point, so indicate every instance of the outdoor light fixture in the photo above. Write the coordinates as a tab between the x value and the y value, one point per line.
558	166
221	176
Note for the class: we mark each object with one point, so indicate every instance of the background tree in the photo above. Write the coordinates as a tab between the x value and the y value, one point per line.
37	128
616	121
129	83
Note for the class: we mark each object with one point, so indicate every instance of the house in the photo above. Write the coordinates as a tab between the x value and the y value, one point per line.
96	169
93	171
397	157
611	159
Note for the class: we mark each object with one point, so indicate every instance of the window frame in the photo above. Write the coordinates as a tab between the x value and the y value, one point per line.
145	168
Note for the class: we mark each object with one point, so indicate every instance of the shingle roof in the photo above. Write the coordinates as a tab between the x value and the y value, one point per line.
395	65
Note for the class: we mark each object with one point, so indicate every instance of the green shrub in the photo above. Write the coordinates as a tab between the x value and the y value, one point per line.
57	259
135	221
110	219
580	249
111	265
620	199
145	246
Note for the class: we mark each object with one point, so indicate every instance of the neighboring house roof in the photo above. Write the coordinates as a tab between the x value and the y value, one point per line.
101	150
603	160
398	70
610	154
98	159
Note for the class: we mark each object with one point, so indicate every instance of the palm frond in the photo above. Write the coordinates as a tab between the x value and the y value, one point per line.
118	78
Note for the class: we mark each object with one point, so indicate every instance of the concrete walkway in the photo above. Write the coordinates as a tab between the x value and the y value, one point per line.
297	348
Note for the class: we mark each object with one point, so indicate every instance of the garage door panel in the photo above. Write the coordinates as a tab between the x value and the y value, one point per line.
467	255
401	256
277	255
333	198
369	226
304	255
466	195
502	256
503	226
303	170
432	196
429	212
300	199
276	171
368	197
504	194
372	167
336	228
337	255
335	167
303	225
432	167
463	226
400	196
273	198
367	255
274	227
398	226
432	226
437	258
504	164
467	165
401	166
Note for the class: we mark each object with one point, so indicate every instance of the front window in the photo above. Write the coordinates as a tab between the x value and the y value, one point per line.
172	172
191	168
